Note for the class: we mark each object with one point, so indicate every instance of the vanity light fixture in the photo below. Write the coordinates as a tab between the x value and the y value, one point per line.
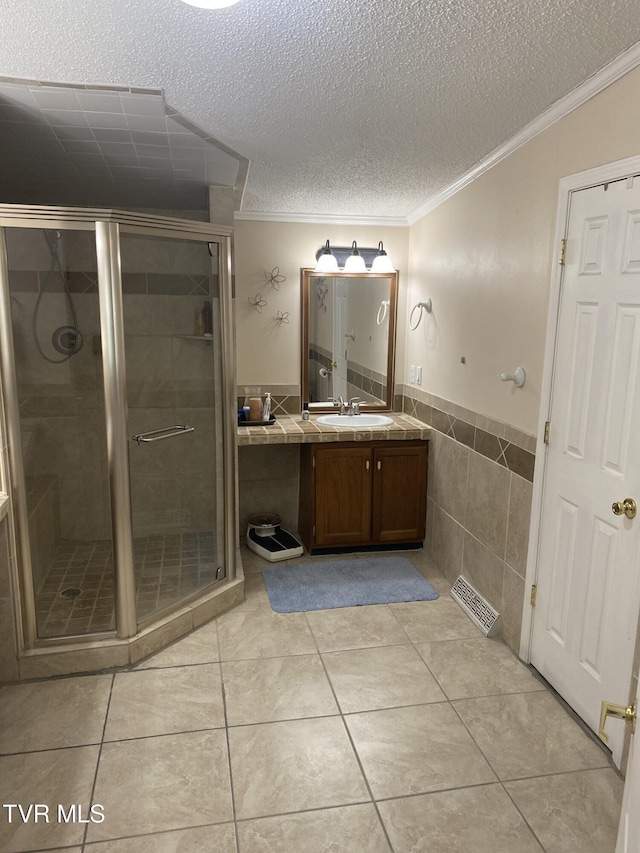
326	260
355	261
210	4
382	261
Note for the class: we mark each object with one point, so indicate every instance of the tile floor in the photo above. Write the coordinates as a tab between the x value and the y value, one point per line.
366	730
167	567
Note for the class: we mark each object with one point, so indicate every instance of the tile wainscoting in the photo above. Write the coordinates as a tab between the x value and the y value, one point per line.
478	501
285	399
479	494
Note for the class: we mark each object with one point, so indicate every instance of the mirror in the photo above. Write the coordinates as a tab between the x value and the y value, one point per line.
348	338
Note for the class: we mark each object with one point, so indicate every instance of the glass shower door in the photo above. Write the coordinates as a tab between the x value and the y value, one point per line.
173	366
55	318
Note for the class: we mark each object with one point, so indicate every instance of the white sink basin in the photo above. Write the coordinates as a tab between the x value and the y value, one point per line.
365	421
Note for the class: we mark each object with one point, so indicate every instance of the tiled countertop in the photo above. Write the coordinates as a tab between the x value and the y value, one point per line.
291	429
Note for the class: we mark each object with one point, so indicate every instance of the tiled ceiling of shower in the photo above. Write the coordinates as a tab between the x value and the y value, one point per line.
103	147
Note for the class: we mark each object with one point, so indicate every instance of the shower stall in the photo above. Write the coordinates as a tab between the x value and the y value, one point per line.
115	357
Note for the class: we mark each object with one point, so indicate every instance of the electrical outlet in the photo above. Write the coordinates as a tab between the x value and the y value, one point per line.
412	374
418	375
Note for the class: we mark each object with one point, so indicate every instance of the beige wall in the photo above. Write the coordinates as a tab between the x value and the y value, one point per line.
485	258
268	352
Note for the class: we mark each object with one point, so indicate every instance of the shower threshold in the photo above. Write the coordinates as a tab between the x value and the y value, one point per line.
77	594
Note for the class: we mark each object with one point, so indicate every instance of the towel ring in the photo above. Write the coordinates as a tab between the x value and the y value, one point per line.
426	306
384	307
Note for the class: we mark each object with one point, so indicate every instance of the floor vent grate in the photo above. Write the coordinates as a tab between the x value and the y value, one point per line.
475	606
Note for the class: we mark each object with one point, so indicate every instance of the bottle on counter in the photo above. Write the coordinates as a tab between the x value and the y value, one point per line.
255	409
266	408
305	411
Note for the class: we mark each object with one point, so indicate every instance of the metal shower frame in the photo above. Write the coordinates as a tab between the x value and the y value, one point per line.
108	225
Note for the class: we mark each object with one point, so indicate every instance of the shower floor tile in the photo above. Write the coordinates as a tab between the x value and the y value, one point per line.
76	596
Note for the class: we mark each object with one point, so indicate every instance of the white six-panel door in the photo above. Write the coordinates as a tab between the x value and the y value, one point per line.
586	614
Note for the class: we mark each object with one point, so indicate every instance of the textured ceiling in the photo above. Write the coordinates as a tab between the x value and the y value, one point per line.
345	107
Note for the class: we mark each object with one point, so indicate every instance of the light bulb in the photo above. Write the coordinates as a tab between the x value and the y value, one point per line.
327	261
355	261
382	261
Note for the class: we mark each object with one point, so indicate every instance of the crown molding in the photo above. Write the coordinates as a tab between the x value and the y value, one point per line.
322	219
592	86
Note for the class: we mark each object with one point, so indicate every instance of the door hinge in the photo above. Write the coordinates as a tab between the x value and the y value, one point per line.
563	252
314	462
313	531
547	429
534	593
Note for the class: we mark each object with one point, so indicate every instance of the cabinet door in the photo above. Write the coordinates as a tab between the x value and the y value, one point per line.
400	493
343	496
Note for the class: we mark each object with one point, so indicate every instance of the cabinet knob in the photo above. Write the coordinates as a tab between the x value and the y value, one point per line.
379	465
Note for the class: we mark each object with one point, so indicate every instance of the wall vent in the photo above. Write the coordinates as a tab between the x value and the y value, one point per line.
475	606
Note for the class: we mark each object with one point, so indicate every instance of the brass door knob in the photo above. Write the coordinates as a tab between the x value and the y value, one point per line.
626	507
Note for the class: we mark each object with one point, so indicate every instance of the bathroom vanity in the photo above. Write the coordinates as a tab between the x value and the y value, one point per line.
356	487
362	493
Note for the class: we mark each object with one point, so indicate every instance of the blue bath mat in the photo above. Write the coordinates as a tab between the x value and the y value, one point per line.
345	583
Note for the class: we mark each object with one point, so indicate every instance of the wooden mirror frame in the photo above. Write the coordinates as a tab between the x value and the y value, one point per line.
305	287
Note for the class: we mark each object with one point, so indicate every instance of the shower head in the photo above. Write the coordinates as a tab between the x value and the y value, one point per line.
52	237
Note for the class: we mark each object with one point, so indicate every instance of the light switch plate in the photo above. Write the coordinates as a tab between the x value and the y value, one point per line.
418	375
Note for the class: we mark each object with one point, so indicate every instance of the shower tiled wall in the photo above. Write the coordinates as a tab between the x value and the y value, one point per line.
170	379
478	502
43	507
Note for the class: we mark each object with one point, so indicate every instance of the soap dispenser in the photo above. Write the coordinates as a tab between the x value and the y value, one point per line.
266	408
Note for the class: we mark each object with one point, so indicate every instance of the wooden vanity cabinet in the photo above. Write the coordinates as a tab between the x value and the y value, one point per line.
362	493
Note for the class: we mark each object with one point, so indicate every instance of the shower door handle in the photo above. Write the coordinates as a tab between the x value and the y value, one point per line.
159	434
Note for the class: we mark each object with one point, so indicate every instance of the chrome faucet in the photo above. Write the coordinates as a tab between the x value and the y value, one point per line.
350	408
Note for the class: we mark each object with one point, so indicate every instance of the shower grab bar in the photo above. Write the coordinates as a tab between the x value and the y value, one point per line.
159	434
